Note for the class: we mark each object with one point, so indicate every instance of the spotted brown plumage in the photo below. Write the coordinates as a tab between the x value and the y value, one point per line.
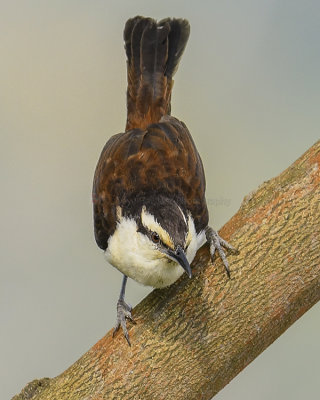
150	212
159	160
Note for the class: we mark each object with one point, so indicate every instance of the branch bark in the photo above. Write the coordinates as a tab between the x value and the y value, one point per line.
192	338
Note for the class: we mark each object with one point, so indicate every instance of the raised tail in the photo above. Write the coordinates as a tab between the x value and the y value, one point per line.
153	53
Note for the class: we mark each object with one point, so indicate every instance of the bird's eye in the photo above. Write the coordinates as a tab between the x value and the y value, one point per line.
155	237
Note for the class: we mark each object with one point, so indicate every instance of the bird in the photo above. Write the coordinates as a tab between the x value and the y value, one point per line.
149	204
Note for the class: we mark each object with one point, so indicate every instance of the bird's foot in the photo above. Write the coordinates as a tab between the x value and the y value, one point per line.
217	243
123	313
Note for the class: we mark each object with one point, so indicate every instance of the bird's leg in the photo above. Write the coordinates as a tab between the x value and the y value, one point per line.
123	312
217	243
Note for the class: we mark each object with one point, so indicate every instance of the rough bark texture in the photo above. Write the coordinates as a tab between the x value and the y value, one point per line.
192	338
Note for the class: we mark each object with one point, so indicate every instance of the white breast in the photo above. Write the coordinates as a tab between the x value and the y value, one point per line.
136	256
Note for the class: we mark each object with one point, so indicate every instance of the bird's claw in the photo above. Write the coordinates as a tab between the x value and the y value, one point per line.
123	313
217	243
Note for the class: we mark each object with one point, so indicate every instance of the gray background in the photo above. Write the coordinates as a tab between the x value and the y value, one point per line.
248	88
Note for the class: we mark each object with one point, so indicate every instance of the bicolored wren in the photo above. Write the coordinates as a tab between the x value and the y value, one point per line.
150	211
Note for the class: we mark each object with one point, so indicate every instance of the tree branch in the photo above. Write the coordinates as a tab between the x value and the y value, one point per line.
192	338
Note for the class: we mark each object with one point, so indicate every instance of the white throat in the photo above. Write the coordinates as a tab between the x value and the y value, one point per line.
136	256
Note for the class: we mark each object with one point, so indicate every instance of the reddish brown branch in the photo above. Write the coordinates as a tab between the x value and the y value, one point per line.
194	337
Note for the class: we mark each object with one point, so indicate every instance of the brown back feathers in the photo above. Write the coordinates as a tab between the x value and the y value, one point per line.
156	157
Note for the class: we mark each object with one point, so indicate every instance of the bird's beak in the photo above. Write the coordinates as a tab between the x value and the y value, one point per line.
179	256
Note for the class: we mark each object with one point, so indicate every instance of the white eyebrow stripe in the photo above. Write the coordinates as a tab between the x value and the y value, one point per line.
119	213
184	218
149	222
191	230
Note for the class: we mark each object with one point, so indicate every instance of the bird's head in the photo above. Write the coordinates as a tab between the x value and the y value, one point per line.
154	243
166	230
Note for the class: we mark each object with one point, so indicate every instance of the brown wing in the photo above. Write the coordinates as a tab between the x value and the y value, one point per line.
161	159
